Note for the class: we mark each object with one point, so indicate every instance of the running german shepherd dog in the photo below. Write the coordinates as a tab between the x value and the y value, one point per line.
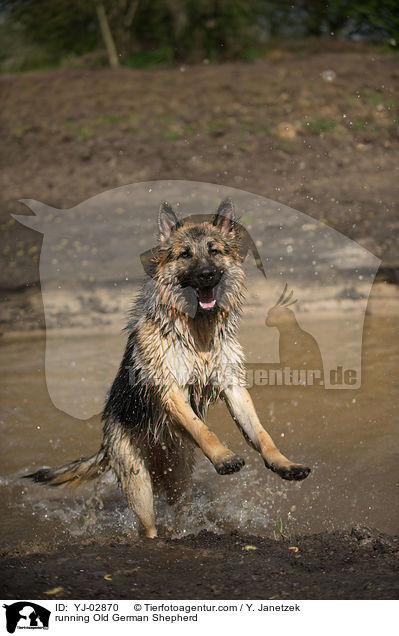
181	355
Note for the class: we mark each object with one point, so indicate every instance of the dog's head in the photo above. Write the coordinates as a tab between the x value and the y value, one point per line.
200	261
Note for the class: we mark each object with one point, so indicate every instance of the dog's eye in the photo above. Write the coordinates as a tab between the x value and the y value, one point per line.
214	250
185	254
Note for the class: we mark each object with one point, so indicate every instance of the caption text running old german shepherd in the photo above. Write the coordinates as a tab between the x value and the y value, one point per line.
181	355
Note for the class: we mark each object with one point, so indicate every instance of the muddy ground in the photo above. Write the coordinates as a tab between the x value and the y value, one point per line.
357	565
326	144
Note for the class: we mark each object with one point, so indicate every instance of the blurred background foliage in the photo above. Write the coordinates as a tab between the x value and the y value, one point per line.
47	33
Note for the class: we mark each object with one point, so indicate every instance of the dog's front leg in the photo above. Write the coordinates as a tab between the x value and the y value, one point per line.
243	412
223	459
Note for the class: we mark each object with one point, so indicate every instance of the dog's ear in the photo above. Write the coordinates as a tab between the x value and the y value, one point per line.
167	221
225	217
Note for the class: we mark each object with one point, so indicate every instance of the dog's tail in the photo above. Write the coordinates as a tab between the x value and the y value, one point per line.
74	473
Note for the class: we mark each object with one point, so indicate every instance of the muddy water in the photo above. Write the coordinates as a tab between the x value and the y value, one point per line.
350	438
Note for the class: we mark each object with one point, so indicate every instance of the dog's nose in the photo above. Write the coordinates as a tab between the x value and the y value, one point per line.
206	274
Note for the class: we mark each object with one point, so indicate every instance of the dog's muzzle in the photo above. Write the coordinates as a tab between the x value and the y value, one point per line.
204	282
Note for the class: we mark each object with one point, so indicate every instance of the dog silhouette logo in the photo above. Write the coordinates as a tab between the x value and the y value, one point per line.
26	615
91	265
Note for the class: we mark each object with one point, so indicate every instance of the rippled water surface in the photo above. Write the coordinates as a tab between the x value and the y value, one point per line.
350	438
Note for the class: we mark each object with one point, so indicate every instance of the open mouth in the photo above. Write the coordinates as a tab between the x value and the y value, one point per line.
206	297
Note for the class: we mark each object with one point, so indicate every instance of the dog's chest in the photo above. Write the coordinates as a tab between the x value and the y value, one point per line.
219	366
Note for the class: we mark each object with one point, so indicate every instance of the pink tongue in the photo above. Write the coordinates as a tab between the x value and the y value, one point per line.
206	298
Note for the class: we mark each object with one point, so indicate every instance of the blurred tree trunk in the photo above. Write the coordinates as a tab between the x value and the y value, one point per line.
121	16
107	35
130	13
178	13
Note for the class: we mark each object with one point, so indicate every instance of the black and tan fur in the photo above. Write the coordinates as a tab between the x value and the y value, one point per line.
181	354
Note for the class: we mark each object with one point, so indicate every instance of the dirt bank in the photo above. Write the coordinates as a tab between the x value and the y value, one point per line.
325	144
361	564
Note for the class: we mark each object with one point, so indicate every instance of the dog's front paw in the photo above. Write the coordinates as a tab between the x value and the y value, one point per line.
292	472
229	465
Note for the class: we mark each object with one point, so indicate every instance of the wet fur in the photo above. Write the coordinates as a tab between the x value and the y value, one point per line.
176	363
